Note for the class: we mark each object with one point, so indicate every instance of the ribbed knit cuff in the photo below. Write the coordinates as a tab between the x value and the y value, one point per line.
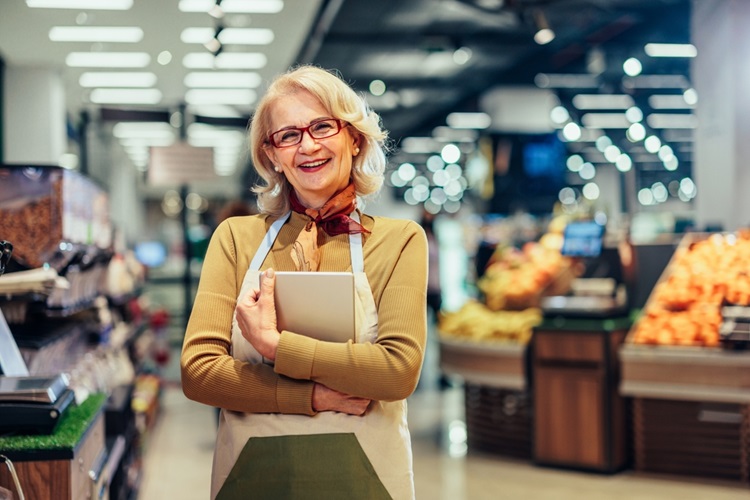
294	397
294	356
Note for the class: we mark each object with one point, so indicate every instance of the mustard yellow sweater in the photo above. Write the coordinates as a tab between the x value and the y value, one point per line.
395	258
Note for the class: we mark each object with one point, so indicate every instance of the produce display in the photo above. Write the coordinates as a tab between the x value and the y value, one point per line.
517	279
512	286
685	306
474	321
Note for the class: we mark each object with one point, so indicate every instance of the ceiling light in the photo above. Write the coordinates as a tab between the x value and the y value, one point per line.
602	101
544	33
164	57
125	96
209	79
377	87
668	102
605	120
566	81
665	120
233	6
243	97
656	82
116	34
670	50
81	4
228	36
225	60
117	79
468	120
108	59
690	96
420	145
142	130
632	67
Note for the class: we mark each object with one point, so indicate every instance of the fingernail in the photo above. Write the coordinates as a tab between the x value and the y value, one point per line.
269	272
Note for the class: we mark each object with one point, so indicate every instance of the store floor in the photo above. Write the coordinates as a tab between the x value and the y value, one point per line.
177	461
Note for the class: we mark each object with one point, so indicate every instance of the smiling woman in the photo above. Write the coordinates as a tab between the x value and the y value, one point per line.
283	395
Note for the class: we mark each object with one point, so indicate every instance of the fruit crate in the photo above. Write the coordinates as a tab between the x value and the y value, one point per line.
689	370
692	438
498	421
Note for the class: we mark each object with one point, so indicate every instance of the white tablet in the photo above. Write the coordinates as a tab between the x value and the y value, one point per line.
316	304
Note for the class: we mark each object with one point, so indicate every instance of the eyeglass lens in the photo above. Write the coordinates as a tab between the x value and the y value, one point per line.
317	130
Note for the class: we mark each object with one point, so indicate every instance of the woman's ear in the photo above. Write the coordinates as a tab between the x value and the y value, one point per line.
272	158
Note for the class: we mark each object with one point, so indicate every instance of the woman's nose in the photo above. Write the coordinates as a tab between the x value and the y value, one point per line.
308	143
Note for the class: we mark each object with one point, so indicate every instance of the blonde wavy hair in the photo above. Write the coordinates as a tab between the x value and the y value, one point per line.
340	101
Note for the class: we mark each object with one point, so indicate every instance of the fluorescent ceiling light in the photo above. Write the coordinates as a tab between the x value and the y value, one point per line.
116	34
229	79
142	130
666	120
233	6
656	82
605	120
228	36
566	81
602	101
668	102
117	79
225	60
108	59
243	97
468	120
214	110
421	145
125	96
670	50
81	4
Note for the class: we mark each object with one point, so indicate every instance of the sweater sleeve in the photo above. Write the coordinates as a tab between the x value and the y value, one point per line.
210	375
389	369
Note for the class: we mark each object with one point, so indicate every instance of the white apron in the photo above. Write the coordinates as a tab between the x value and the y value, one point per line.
378	445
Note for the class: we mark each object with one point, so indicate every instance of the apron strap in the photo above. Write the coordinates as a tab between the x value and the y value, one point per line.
355	248
355	245
267	243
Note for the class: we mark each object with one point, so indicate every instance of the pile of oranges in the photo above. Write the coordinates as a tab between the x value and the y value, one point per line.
685	306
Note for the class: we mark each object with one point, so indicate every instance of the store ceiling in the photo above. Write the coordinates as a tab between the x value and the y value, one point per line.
434	56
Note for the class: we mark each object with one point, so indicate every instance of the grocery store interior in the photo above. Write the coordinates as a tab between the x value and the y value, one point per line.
579	167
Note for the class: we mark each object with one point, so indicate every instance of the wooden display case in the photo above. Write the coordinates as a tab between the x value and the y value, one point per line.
579	416
59	466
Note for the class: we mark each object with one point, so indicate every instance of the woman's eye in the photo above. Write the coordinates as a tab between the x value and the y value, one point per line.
289	136
322	127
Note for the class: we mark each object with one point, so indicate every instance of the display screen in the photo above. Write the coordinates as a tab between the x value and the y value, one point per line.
582	239
151	253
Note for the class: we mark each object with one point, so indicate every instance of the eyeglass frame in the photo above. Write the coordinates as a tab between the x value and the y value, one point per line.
340	124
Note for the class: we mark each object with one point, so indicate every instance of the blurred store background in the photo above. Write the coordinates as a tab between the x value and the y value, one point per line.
582	161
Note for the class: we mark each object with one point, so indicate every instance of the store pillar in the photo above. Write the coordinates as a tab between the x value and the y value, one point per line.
721	165
34	118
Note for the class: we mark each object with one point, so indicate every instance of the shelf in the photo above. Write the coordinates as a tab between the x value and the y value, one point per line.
492	364
685	373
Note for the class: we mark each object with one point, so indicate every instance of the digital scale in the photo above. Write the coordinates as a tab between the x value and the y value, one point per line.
734	332
599	291
33	404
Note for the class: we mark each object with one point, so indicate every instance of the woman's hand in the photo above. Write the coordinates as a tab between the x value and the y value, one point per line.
256	317
326	399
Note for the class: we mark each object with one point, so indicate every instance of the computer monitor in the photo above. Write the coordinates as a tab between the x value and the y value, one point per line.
582	239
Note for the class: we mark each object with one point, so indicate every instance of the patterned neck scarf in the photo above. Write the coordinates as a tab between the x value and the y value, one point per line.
333	218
